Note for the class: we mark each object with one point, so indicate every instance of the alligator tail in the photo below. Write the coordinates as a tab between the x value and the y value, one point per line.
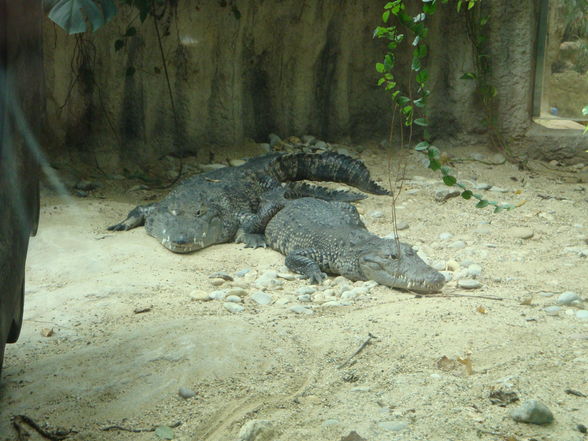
297	190
325	167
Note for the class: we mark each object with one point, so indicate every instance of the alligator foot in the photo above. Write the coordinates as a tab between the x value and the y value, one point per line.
251	240
301	264
135	218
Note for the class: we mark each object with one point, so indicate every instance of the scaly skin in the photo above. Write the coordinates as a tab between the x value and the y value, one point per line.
224	205
321	237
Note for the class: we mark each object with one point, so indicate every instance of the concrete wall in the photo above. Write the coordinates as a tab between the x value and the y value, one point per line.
242	69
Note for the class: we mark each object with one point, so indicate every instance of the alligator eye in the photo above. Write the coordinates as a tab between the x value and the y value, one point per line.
391	256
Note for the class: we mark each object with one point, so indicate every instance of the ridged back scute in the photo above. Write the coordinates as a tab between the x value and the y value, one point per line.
326	166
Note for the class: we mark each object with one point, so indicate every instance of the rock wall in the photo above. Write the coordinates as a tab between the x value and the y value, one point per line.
240	70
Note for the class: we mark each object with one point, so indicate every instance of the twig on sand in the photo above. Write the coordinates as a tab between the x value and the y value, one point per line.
361	348
130	429
20	421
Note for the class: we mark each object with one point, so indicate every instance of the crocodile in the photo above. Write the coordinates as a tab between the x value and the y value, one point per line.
224	205
319	237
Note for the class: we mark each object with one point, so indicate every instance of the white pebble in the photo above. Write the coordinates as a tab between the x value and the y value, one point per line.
336	303
233	307
376	214
217	282
582	314
261	298
552	310
186	393
457	245
299	309
237	291
199	295
304	298
469	284
522	232
233	299
402	226
498	189
236	162
218	295
306	290
567	298
452	265
445	236
474	270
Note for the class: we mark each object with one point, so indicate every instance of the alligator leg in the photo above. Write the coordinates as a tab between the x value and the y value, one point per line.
253	225
135	218
299	262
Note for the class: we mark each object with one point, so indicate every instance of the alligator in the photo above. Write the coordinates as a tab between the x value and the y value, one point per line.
319	237
224	205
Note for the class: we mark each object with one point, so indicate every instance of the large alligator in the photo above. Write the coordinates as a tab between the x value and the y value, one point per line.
321	237
224	205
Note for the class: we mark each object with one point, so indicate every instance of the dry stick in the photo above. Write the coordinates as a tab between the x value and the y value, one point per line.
19	420
128	429
361	348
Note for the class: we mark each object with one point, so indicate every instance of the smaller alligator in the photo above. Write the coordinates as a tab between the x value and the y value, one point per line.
224	205
321	237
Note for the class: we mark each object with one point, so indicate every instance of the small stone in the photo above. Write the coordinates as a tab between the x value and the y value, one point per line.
582	314
469	284
308	139
482	186
274	140
457	245
452	265
354	292
306	290
242	272
393	426
444	194
321	145
261	298
268	280
299	309
567	298
522	232
233	299
376	214
210	167
284	301
402	226
237	291
343	151
186	393
199	295
256	430
330	422
305	298
474	270
370	284
217	282
498	189
532	412
336	303
445	236
552	310
219	294
236	162
233	307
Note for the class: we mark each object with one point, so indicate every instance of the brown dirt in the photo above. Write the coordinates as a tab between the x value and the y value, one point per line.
107	365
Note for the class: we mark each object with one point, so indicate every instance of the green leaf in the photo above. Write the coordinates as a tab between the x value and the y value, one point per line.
403	100
482	204
420	51
420	102
388	61
385	16
421	122
422	146
381	81
471	4
585	111
118	45
380	67
449	180
422	76
73	15
484	20
419	17
468	76
416	63
466	194
164	432
498	209
407	110
434	164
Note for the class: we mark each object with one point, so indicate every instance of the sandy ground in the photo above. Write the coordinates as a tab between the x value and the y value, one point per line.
107	365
